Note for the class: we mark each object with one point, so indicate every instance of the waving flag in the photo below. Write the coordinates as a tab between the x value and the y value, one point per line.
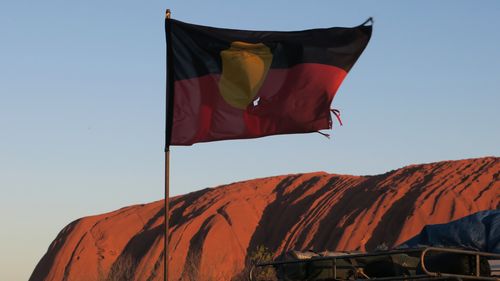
238	84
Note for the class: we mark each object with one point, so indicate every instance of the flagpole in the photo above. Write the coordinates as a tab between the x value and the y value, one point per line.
166	200
167	207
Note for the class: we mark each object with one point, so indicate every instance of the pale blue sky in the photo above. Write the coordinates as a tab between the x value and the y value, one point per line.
82	104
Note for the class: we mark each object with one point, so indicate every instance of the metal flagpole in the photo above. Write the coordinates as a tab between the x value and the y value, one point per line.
167	187
168	100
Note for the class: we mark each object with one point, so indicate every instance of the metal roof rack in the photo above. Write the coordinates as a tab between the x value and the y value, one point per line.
426	263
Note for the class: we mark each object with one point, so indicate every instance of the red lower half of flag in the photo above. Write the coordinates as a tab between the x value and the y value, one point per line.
291	100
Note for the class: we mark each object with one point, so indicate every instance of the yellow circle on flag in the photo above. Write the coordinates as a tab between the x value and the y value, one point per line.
244	69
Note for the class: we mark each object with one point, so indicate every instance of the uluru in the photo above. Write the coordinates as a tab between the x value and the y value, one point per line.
214	230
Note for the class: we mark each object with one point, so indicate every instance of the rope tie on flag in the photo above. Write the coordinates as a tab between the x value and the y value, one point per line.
336	112
368	21
324	134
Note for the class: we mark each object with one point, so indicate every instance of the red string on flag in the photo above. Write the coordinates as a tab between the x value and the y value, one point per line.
336	112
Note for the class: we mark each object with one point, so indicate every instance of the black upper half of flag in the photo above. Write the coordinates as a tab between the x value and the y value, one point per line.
196	49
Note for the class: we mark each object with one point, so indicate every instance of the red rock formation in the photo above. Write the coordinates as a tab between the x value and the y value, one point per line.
212	230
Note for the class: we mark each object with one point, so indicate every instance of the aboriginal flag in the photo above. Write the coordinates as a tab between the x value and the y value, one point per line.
237	84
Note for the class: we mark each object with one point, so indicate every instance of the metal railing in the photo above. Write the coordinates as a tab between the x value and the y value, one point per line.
422	271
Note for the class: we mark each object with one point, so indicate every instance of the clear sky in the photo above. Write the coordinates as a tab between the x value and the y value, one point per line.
82	104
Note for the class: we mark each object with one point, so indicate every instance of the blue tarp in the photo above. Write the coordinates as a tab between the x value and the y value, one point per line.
479	231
